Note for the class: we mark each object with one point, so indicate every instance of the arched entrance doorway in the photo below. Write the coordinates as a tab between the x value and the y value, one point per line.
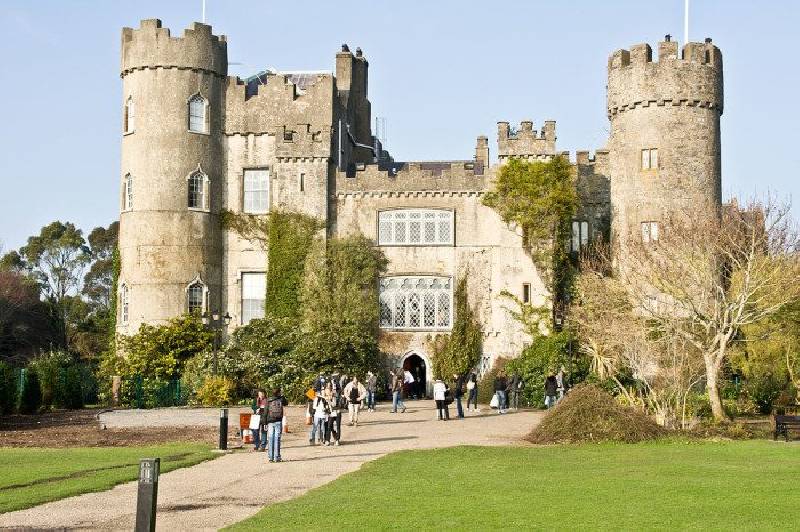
417	364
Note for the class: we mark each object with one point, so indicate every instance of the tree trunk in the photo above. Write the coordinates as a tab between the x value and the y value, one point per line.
712	371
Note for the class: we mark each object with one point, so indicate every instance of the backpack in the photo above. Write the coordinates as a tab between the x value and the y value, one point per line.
353	395
275	410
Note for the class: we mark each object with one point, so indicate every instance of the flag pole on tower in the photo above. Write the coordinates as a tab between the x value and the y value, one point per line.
685	21
204	11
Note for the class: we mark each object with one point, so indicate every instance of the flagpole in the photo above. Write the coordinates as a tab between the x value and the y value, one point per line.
204	11
685	21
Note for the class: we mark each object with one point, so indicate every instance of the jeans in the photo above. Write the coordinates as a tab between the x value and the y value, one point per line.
370	400
397	402
312	432
332	432
501	400
550	401
459	408
274	430
319	427
259	438
352	410
473	397
515	399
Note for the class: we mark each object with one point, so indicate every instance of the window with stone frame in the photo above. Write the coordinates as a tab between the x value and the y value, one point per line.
254	294
127	200
580	235
416	302
526	293
197	114
123	303
416	227
195	298
649	158
650	232
256	191
129	119
197	188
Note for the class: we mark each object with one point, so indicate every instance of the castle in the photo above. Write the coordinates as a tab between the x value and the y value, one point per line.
197	142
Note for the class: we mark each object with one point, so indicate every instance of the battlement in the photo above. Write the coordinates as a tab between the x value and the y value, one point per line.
151	46
526	142
691	76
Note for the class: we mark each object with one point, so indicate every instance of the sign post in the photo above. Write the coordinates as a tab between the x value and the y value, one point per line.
223	429
147	495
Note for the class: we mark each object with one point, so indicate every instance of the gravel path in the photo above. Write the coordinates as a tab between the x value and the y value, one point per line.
235	486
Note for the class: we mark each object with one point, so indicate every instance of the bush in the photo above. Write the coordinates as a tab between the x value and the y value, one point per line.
8	388
72	388
461	350
486	384
763	390
589	414
31	398
49	370
545	356
215	391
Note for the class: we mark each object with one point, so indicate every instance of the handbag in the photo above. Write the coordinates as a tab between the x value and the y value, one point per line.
255	422
494	402
470	385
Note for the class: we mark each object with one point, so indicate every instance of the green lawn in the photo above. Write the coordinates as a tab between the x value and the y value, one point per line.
33	476
665	485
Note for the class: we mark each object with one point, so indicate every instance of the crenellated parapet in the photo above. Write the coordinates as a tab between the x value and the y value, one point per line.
301	142
414	176
690	77
151	46
526	142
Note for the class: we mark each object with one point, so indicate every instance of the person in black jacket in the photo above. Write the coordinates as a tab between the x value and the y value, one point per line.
273	418
550	391
515	386
500	385
458	392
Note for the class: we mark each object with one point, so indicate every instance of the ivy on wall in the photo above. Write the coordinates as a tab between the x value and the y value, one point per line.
461	350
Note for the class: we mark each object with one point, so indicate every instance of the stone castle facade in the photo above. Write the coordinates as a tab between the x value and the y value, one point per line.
198	142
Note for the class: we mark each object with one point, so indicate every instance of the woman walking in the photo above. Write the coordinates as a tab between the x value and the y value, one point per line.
397	391
472	388
334	428
439	395
259	436
321	410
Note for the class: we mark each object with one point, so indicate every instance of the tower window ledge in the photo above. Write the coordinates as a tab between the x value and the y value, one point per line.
204	133
126	133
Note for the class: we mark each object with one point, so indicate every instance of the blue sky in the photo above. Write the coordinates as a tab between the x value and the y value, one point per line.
441	73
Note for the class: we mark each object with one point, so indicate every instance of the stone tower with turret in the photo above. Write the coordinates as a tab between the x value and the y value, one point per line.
165	246
664	148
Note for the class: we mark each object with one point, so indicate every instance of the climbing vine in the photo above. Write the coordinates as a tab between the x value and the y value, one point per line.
461	350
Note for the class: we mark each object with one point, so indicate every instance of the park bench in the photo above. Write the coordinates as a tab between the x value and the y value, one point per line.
783	423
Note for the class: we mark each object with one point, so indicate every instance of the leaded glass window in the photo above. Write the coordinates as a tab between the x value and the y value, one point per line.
256	191
422	302
415	227
195	298
197	114
254	293
198	191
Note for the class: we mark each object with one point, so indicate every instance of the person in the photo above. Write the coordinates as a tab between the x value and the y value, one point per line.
273	416
354	392
334	429
319	383
408	383
259	436
472	388
372	388
560	378
439	395
337	398
550	391
500	385
397	390
458	393
320	409
515	387
312	432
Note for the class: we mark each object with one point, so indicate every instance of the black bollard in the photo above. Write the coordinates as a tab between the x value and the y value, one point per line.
223	429
147	495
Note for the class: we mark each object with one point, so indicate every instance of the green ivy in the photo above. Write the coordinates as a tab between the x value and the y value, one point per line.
461	350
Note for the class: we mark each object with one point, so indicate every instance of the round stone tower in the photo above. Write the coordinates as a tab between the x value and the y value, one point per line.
664	148
172	173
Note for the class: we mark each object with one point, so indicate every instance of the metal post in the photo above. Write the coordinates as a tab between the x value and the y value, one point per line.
147	495
223	429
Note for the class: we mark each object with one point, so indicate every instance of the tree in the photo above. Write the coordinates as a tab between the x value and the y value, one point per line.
98	281
57	258
461	350
706	278
25	325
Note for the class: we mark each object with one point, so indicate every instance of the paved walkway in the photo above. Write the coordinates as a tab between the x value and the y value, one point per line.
235	486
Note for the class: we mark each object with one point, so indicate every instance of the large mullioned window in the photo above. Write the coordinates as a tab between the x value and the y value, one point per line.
256	191
254	293
415	227
197	114
420	302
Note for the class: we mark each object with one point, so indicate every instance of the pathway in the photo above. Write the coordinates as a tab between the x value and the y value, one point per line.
235	486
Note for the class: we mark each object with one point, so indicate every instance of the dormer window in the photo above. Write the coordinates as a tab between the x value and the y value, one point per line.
197	114
129	116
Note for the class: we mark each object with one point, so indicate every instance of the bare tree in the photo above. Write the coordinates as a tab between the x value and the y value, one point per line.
704	278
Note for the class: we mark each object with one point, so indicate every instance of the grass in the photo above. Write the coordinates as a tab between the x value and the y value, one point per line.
32	476
658	485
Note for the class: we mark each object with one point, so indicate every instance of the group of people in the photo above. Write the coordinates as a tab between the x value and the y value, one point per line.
333	394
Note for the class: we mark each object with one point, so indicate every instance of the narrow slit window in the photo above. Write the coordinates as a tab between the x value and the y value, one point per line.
130	115
128	198
526	292
123	296
302	182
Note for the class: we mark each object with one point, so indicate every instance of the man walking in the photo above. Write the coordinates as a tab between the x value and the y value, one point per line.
458	393
472	388
550	391
515	387
500	385
274	421
397	390
372	388
355	393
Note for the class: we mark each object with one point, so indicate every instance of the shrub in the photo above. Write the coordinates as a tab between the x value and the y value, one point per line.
31	398
763	390
545	356
215	391
589	414
71	388
8	388
486	384
461	350
49	370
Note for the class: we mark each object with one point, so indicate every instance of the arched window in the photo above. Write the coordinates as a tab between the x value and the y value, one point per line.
423	302
123	302
198	190
127	201
195	297
129	120
197	114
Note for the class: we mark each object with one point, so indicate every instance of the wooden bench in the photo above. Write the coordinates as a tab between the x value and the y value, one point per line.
783	423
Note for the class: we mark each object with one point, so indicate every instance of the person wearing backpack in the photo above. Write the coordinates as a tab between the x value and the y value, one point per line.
333	430
372	388
397	391
320	409
472	388
273	418
354	392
